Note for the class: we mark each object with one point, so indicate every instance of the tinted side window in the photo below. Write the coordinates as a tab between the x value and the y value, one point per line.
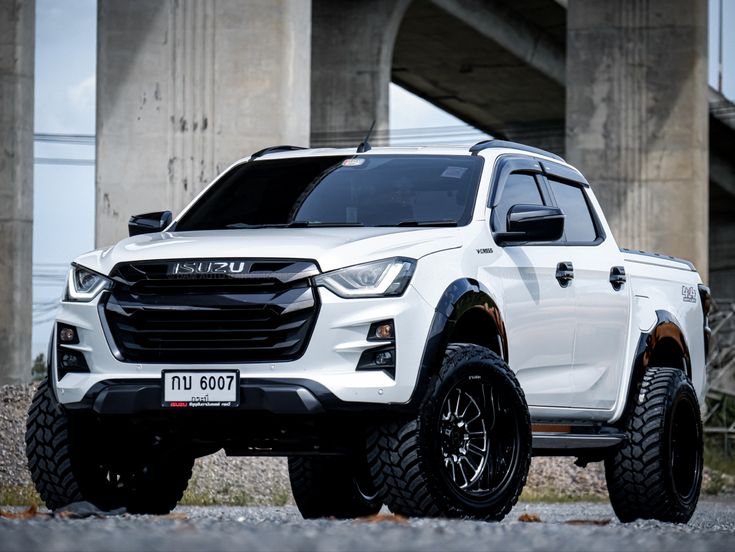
519	188
578	224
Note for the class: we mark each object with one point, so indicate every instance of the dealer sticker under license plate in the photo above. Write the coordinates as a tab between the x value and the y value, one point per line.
197	389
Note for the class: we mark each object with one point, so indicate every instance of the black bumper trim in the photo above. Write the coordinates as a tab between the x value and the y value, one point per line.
286	396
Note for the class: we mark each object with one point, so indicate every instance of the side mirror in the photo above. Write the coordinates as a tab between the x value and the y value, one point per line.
149	223
532	223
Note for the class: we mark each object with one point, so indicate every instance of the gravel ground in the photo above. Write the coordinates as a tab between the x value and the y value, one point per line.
221	480
593	527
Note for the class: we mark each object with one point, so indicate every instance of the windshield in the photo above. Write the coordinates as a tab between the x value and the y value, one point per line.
375	190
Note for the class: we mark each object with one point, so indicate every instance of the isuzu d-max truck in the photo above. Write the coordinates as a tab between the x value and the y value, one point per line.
407	325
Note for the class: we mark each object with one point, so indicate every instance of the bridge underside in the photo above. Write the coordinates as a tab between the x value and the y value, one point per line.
461	65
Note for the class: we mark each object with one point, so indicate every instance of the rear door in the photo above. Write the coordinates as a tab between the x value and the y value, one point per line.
538	309
602	307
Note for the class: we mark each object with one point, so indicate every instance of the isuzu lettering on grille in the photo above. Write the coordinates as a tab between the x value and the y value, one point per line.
189	268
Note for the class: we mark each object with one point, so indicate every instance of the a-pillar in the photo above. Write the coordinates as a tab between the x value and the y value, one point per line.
185	88
17	29
351	60
637	118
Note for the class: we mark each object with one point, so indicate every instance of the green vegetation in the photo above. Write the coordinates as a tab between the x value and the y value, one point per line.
19	495
38	371
721	464
555	495
198	497
716	458
226	496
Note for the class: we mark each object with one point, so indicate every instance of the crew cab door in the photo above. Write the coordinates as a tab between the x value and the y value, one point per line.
602	297
538	308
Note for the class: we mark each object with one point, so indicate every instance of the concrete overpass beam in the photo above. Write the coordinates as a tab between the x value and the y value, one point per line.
186	87
351	60
17	37
637	118
500	69
508	29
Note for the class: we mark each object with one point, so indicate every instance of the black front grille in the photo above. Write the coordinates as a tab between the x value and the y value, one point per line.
265	312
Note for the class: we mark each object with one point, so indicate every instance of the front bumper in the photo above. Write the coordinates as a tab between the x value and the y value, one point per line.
131	397
325	372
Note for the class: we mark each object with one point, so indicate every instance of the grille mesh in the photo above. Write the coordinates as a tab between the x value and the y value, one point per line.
264	313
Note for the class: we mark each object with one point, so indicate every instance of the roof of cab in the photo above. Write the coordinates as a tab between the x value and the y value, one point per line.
285	151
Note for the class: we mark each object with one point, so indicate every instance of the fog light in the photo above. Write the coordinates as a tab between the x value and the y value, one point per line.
68	360
384	358
71	361
67	335
384	331
380	359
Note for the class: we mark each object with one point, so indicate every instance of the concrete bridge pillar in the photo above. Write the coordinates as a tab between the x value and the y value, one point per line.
351	59
186	87
17	30
637	118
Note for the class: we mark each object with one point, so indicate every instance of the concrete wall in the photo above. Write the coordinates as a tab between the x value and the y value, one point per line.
351	61
17	28
637	118
184	88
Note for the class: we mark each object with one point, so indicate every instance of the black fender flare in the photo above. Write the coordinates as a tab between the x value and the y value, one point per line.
50	361
666	327
458	298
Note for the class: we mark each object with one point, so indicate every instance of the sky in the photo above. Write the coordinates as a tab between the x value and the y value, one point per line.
65	104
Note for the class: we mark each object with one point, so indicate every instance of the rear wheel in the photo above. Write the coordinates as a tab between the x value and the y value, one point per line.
70	461
332	486
657	473
467	452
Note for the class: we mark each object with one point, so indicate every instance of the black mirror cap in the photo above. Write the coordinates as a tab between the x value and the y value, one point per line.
532	223
149	223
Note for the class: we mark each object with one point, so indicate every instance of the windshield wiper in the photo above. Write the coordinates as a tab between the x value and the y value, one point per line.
246	225
309	224
295	224
423	223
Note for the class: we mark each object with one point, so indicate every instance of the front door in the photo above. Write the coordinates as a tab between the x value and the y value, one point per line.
538	307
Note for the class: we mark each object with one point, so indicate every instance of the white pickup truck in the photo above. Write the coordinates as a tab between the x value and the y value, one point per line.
407	325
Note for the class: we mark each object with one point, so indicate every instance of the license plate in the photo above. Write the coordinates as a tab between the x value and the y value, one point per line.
216	388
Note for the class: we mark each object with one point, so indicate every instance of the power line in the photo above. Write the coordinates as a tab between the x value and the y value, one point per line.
58	138
63	161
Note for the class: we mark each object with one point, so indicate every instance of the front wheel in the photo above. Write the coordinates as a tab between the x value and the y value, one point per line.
70	461
657	473
467	452
332	486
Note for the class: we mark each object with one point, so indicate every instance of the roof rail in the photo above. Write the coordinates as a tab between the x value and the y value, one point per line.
486	144
274	149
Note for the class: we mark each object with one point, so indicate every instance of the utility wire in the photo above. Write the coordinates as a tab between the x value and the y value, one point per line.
63	161
57	138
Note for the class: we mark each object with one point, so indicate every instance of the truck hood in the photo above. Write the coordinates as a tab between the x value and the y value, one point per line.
331	247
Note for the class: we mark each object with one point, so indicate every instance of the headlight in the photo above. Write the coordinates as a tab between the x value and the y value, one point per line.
84	285
385	278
